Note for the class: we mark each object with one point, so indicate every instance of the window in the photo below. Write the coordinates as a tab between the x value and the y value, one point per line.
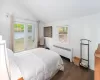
63	34
19	37
24	36
31	36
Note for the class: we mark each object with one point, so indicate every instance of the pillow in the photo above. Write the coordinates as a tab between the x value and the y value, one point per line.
14	69
10	54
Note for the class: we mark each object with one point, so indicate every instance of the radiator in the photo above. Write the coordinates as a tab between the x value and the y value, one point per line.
63	51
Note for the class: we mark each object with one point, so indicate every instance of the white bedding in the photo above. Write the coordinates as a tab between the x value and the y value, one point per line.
38	64
51	59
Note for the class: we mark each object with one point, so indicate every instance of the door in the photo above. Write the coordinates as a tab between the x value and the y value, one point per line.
24	36
19	31
30	36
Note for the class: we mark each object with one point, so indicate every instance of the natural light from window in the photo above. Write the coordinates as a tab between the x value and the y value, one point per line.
23	36
63	34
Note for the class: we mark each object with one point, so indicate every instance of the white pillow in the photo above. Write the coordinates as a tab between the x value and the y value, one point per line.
10	54
14	69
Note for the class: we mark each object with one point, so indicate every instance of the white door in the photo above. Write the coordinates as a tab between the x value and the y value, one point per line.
24	36
30	36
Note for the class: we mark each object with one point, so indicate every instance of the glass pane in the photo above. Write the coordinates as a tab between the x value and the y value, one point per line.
30	36
63	34
63	30
18	37
63	37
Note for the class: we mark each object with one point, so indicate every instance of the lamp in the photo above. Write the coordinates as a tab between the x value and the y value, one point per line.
4	64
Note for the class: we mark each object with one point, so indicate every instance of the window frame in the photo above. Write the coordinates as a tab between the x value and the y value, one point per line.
68	33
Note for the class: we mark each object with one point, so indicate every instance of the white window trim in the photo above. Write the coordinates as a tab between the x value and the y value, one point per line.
68	42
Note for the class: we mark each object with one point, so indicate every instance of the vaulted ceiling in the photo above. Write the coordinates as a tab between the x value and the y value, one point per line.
55	10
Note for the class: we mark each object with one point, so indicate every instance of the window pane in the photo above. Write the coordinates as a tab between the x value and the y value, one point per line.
18	37
63	34
29	28
31	35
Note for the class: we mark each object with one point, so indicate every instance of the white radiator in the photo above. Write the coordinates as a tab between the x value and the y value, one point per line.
63	51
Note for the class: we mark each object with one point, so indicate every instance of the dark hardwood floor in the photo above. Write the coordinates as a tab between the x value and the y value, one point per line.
73	72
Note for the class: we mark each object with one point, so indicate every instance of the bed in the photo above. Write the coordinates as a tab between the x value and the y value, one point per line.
35	64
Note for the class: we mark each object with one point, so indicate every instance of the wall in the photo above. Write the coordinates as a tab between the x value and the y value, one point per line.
14	8
83	27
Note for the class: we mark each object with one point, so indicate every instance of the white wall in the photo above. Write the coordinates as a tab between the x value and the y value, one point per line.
14	8
83	27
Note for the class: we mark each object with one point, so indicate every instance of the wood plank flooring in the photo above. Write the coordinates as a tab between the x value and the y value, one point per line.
73	72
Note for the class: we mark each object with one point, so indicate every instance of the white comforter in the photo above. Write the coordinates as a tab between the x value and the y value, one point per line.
38	64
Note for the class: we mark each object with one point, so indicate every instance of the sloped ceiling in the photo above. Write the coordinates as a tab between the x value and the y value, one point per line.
56	10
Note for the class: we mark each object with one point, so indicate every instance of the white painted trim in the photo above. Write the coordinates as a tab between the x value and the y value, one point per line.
68	42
